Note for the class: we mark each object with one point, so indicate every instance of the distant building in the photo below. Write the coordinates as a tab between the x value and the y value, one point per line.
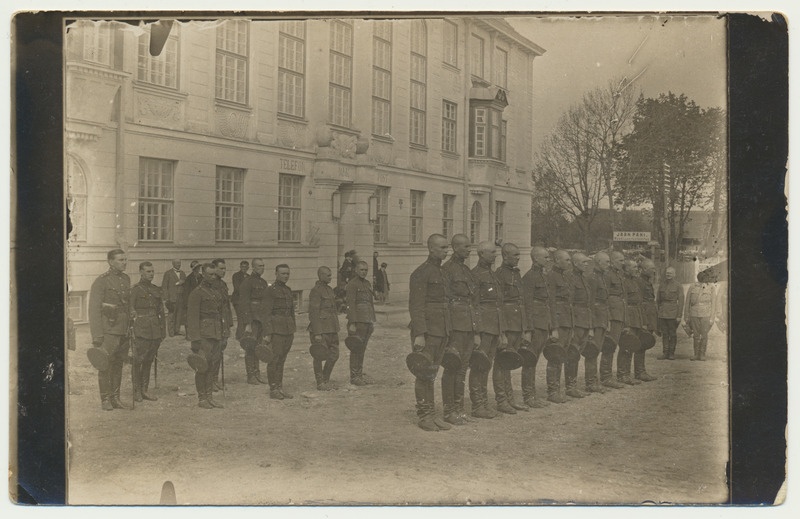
295	141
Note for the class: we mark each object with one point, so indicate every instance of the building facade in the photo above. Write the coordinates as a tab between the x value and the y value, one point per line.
295	141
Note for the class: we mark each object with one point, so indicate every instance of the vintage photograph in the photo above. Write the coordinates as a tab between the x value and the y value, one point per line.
440	260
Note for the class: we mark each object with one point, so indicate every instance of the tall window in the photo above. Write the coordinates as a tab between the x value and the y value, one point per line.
231	70
155	199
382	79
488	133
291	68
475	215
289	207
450	46
230	203
448	209
476	56
162	69
97	42
76	199
500	67
416	216
503	133
499	218
78	310
419	64
381	229
340	72
449	111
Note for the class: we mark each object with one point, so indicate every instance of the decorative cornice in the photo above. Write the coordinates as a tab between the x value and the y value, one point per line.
97	71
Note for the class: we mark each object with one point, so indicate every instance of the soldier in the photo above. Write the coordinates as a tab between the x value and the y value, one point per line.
360	321
323	327
616	313
149	326
206	329
279	329
489	328
514	326
647	270
699	312
538	308
172	291
463	300
633	319
193	280
251	319
238	277
582	327
430	327
559	285
600	319
227	315
108	321
669	301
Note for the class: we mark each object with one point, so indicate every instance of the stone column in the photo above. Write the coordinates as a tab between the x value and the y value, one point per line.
327	232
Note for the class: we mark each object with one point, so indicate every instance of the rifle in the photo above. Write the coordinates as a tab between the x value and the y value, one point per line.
222	374
132	342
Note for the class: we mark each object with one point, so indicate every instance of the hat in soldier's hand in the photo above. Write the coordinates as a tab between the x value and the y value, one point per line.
264	352
248	341
98	357
508	359
647	340
590	349
353	342
197	362
479	361
628	341
318	350
528	355
421	365
451	360
553	351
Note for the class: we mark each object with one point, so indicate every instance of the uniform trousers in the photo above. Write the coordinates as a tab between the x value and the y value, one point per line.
424	387
590	364
607	356
669	335
479	378
538	340
573	357
453	381
501	378
146	351
323	369
109	380
211	351
363	332
700	327
252	365
172	320
281	344
554	368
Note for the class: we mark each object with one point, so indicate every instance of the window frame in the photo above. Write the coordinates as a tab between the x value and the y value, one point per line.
143	57
416	215
499	219
449	126
448	215
380	231
235	233
501	55
450	49
221	87
146	201
284	107
340	114
478	52
382	105
294	210
418	103
97	31
488	132
475	218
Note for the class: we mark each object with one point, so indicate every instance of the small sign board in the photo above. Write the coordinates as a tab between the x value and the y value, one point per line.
643	236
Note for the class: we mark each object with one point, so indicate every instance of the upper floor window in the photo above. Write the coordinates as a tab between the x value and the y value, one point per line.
475	215
340	72
231	64
448	210
155	199
476	56
382	79
449	114
500	67
97	42
289	207
419	81
381	229
229	216
450	44
162	69
487	133
499	220
291	68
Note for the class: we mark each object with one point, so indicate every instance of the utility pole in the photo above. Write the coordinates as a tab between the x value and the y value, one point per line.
665	187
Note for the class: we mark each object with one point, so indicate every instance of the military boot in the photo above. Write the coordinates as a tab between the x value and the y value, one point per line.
275	392
425	415
284	393
105	390
645	377
554	384
703	346
116	380
696	350
321	386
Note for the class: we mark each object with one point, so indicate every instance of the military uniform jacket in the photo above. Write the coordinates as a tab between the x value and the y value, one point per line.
148	307
172	285
616	294
427	300
559	284
600	315
581	297
108	304
669	299
633	301
539	306
205	315
222	287
490	301
463	295
346	273
649	311
700	302
237	279
279	306
513	302
360	297
322	310
252	305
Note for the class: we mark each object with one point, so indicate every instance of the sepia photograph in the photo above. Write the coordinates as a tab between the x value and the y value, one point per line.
462	259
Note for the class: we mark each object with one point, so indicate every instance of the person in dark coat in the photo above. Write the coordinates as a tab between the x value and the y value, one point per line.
614	282
222	287
323	326
149	328
647	271
382	284
238	277
193	280
279	329
538	309
360	321
560	287
669	304
252	318
172	292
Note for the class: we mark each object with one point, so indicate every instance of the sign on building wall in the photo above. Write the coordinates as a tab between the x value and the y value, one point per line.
632	236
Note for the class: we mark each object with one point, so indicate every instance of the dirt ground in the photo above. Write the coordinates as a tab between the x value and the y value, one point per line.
660	442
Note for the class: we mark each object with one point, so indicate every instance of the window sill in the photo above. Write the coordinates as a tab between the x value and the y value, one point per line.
292	118
450	66
232	104
383	138
152	88
344	129
418	147
451	154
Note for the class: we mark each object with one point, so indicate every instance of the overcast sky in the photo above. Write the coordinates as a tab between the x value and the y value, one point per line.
683	54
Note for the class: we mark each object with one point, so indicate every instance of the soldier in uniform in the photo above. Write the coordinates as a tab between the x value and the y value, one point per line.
193	280
514	325
647	270
633	319
227	314
700	311
172	291
360	320
323	326
600	319
669	301
582	327
463	299
346	273
559	285
238	277
539	307
279	329
206	329
149	327
430	326
252	318
108	321
616	313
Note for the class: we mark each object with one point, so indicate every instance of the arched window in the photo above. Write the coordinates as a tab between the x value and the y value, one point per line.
76	198
475	215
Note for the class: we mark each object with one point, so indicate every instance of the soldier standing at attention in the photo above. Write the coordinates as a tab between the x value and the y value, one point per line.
172	291
669	301
649	317
323	326
699	312
193	280
108	321
538	308
227	315
237	279
600	317
147	312
559	285
616	313
514	326
463	299
360	321
633	319
252	318
206	329
582	329
430	326
279	329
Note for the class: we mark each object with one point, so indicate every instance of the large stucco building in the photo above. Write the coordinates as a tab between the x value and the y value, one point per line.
295	141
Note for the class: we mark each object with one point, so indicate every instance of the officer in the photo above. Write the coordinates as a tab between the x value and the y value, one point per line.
108	320
430	326
193	280
463	300
616	313
560	287
633	319
669	300
539	307
699	312
251	319
227	314
149	327
323	326
600	319
206	329
360	321
582	327
238	277
647	271
279	329
514	326
489	328
172	291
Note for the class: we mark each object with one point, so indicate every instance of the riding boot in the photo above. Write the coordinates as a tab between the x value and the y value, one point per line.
104	384
320	380
696	345
116	380
553	376
250	369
